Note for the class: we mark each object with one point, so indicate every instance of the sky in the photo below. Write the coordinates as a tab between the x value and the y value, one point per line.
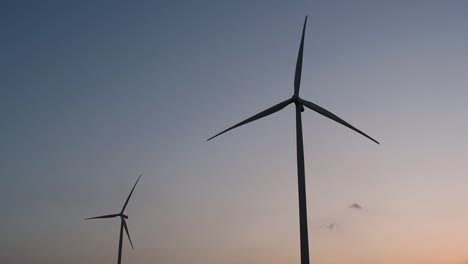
94	93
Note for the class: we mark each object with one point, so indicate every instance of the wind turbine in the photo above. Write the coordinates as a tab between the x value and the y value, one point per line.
300	103
123	223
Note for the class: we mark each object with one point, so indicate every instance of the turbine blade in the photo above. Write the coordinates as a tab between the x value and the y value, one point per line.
128	198
103	216
332	116
297	76
262	114
128	234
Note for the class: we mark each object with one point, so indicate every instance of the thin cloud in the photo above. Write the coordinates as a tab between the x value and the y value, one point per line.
356	206
329	226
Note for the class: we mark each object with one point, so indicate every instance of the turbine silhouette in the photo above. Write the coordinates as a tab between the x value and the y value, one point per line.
123	223
300	103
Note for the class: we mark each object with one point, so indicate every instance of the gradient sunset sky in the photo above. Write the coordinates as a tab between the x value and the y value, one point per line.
94	93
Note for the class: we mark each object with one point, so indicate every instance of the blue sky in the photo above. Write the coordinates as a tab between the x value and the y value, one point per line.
93	94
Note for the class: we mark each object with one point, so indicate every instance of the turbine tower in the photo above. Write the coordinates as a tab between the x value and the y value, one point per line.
123	223
299	103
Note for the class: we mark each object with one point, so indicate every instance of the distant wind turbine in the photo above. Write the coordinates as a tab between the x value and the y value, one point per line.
300	103
123	223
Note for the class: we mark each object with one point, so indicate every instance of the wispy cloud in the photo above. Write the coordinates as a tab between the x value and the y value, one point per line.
329	226
356	206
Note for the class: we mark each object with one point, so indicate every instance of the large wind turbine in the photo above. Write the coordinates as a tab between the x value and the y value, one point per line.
300	103
123	223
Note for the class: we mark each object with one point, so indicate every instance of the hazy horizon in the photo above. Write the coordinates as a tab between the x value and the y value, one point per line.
95	93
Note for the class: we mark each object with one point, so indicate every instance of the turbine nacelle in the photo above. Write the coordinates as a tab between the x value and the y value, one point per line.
297	101
124	216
